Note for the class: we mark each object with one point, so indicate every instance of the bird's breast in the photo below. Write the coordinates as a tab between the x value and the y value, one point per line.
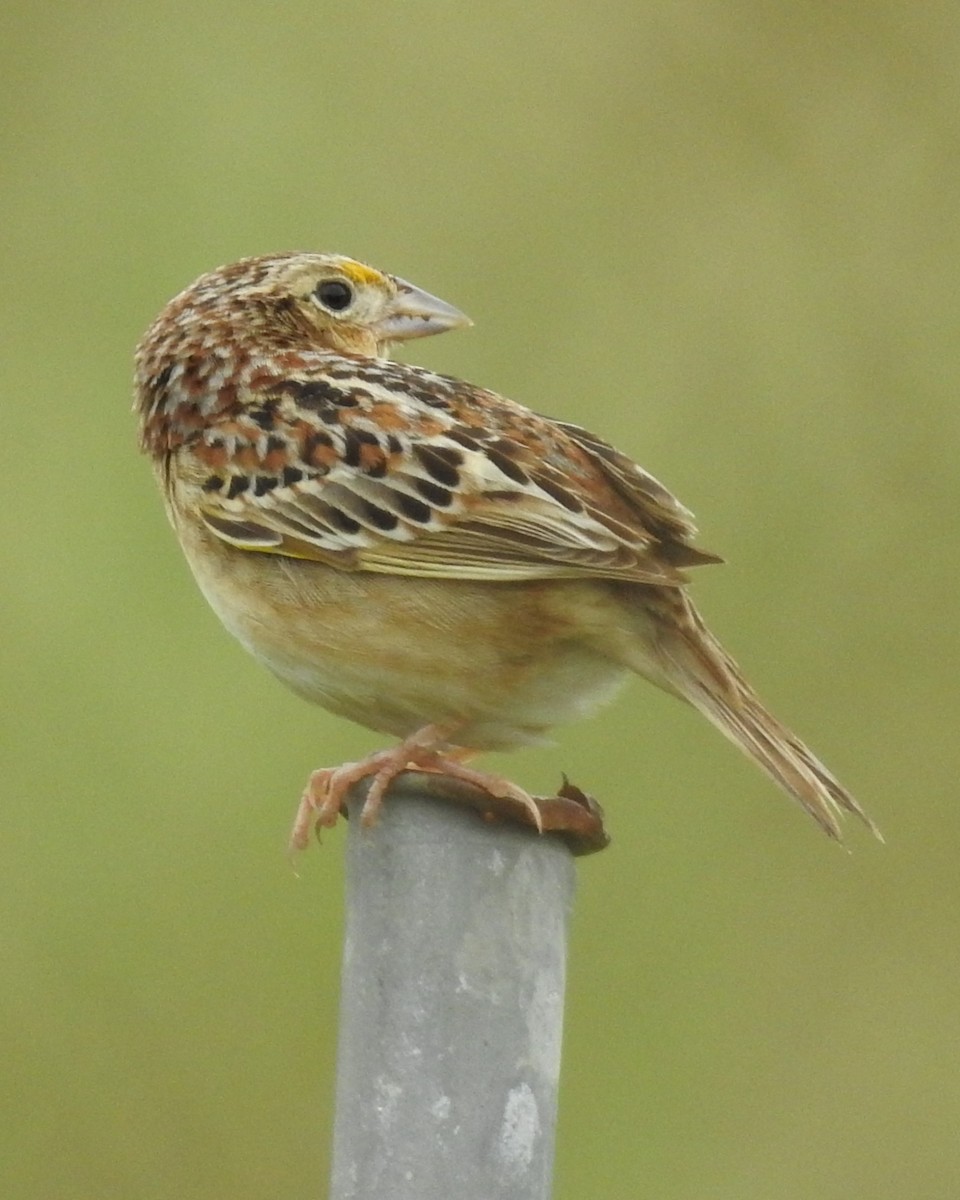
504	662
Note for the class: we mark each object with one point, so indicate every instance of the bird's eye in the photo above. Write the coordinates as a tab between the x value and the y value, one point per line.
334	294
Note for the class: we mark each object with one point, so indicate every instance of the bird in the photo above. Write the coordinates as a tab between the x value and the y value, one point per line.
418	554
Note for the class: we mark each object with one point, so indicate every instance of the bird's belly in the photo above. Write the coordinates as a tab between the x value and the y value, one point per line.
499	662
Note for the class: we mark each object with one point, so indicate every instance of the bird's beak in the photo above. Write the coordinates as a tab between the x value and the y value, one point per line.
414	313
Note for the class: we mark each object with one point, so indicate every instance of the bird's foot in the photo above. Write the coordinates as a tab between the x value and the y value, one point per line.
576	817
325	795
571	814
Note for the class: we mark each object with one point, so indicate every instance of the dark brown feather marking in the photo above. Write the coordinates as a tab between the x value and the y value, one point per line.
507	466
380	517
439	465
462	438
433	493
557	492
413	509
238	485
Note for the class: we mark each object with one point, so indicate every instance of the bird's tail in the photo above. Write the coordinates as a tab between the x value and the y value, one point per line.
689	661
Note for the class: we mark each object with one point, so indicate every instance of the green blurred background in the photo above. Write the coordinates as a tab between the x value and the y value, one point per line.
724	235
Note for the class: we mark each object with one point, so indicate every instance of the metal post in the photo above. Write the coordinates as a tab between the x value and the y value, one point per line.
451	1006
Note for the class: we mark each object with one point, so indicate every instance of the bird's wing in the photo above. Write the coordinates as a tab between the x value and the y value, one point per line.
379	466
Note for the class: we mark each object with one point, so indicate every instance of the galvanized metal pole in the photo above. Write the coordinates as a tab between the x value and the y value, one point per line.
452	1005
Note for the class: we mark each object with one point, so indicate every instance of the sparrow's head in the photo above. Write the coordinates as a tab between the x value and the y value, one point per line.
326	300
214	335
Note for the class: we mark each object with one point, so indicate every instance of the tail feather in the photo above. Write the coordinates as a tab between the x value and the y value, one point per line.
783	757
695	666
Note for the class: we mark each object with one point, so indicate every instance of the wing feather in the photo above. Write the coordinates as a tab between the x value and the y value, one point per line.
406	472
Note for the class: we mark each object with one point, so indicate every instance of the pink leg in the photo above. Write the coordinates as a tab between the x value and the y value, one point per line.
325	794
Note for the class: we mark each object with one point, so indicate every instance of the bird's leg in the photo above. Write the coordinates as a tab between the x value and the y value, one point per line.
324	797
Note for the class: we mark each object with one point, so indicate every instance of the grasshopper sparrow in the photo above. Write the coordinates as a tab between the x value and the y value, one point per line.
423	556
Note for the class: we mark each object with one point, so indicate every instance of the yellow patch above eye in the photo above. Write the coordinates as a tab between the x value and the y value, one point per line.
360	273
